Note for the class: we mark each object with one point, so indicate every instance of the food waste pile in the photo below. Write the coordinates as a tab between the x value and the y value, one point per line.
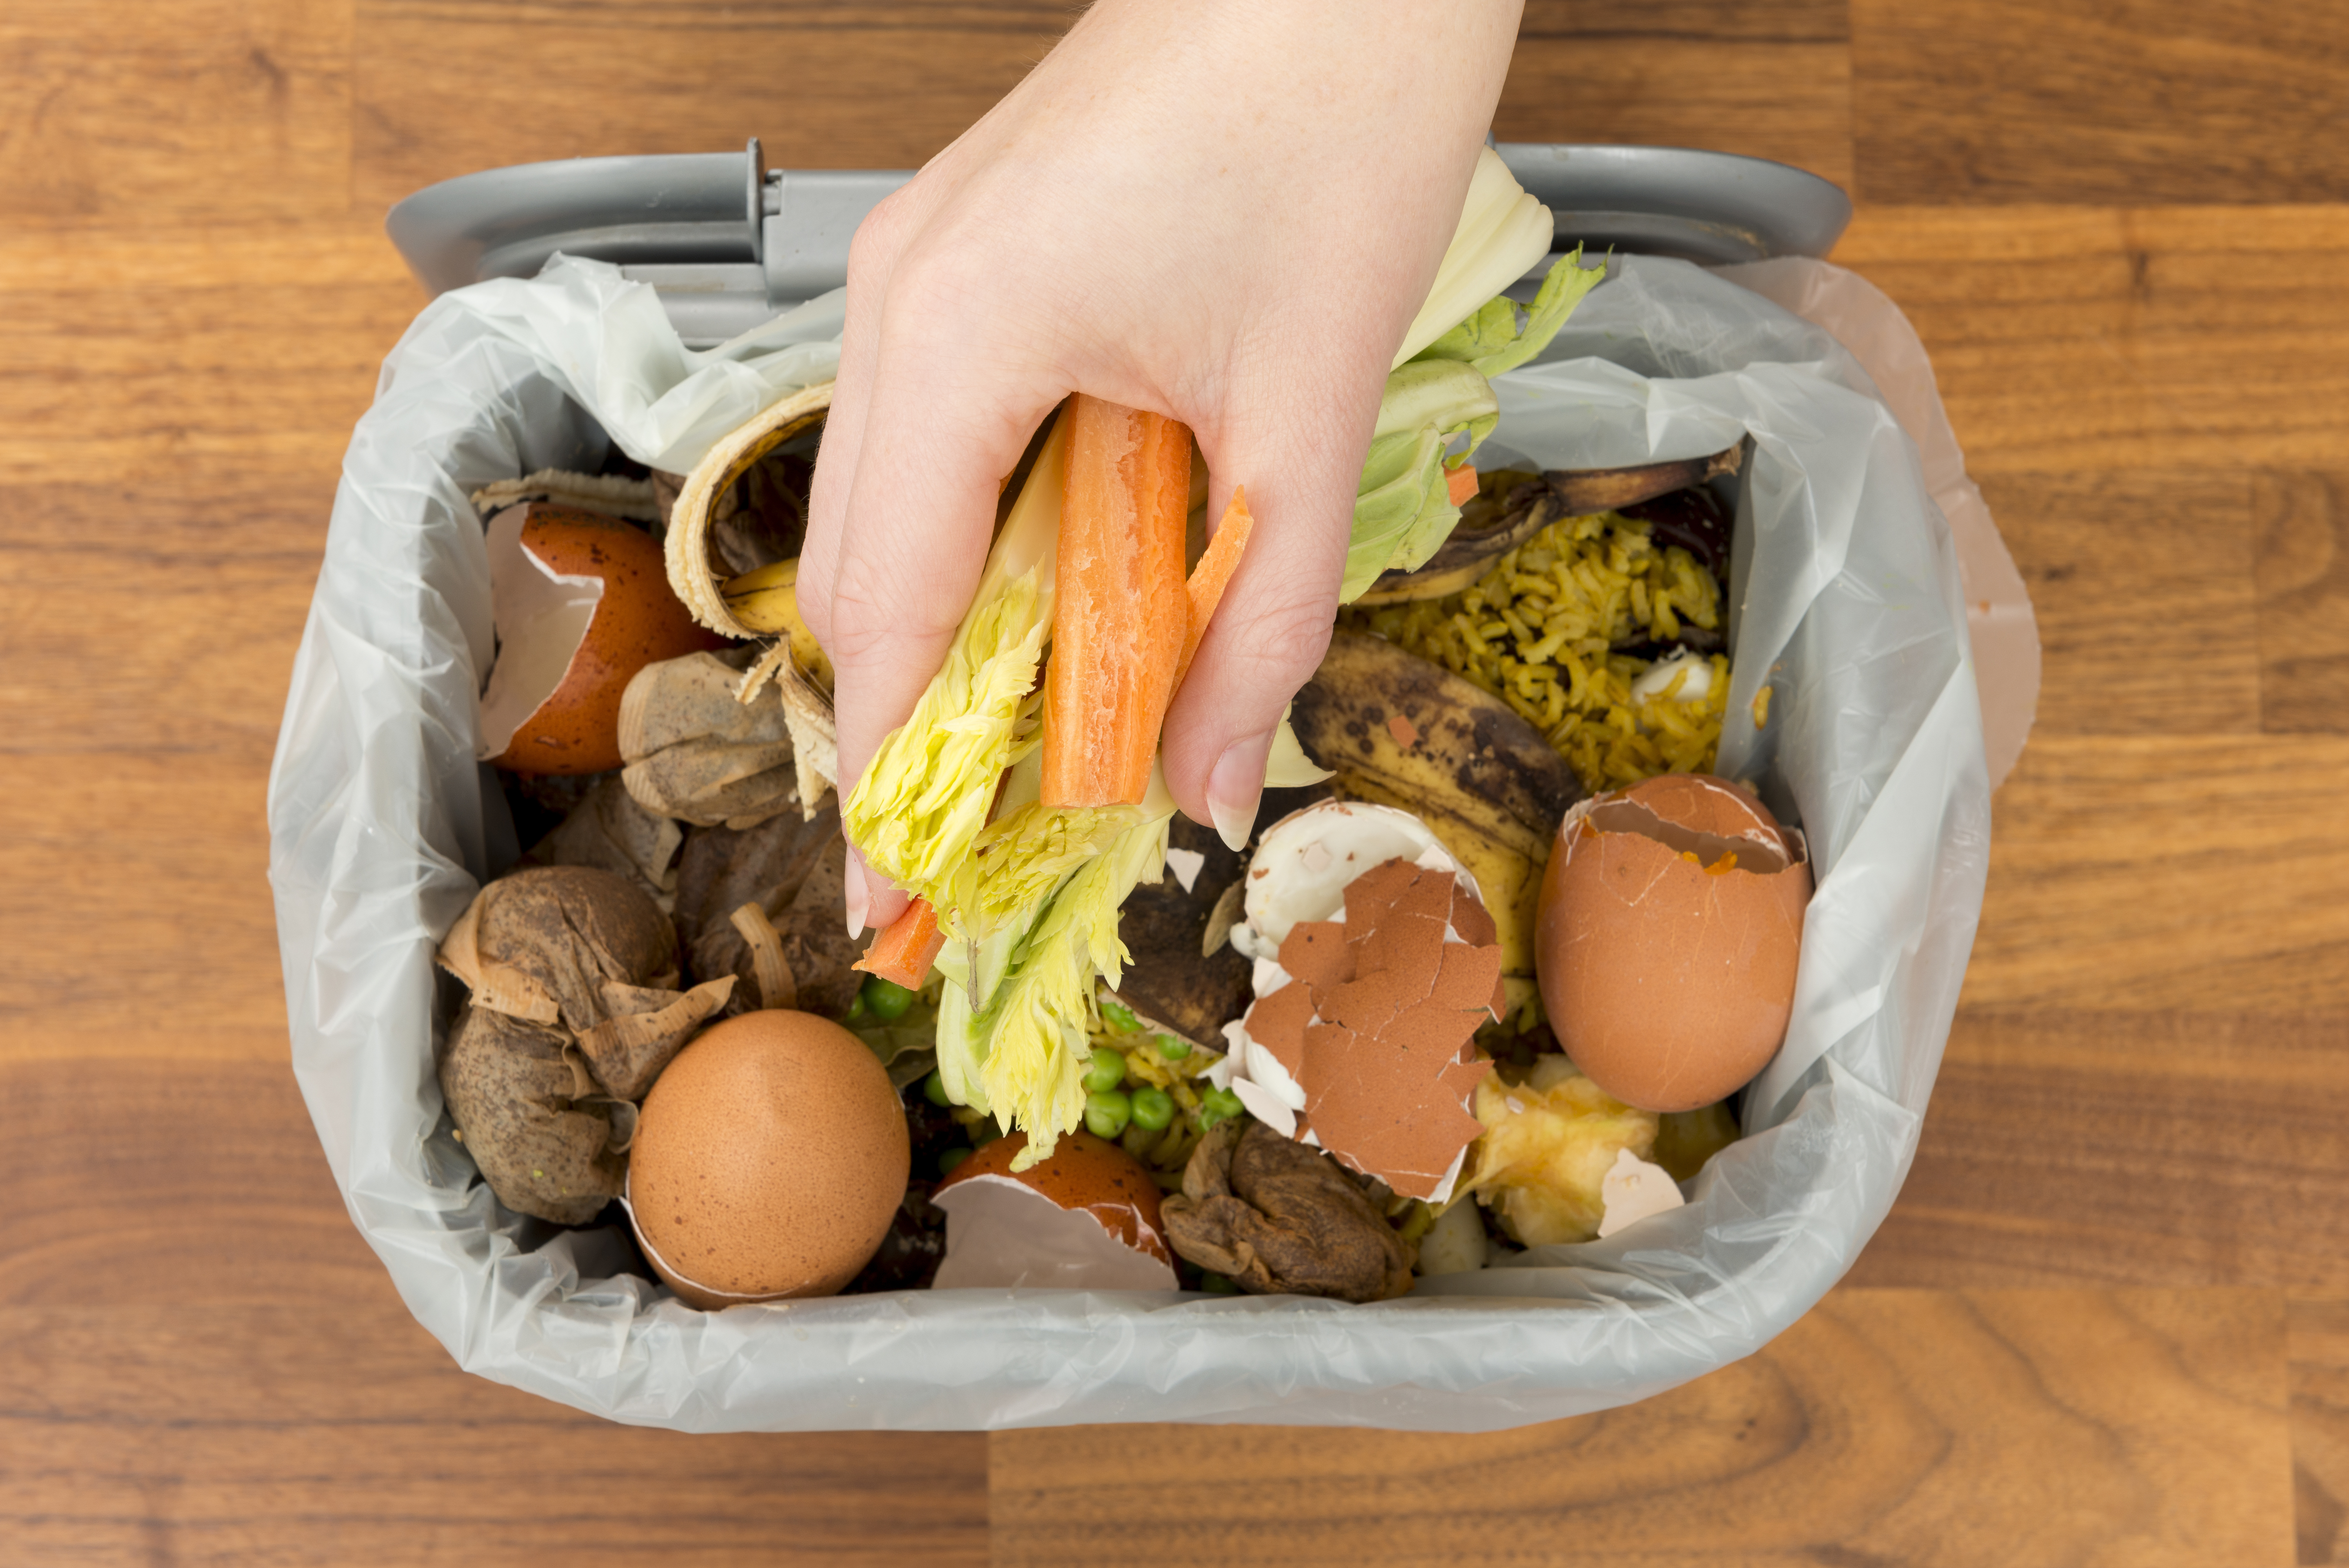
1486	974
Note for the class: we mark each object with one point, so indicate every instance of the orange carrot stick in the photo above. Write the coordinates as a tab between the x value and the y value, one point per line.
1122	609
903	950
1461	483
1213	575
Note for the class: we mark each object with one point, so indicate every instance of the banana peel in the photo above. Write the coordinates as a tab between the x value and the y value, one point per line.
1516	505
697	572
768	602
1397	729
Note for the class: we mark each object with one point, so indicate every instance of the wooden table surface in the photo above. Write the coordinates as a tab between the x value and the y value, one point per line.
2108	1321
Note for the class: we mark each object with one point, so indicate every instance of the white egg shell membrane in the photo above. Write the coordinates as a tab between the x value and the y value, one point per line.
1304	862
1308	859
541	616
1003	1234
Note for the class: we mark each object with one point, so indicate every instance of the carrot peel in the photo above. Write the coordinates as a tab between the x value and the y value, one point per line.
903	950
1119	610
1213	575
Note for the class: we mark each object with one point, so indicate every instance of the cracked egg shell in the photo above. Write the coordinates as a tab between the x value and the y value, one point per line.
1102	1231
1667	967
638	621
769	1160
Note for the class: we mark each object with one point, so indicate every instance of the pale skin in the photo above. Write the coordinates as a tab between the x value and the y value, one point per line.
1224	211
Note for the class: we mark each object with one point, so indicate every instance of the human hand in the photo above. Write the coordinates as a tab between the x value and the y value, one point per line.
1227	213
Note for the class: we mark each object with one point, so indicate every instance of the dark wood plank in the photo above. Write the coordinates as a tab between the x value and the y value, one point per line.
194	364
1919	1428
137	901
306	1433
2100	100
143	1179
228	109
2138	873
2156	1148
823	86
2303	562
1762	21
2117	565
204	1364
2318	1337
1685	85
2075	339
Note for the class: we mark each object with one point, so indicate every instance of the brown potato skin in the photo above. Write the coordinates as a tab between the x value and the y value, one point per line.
638	621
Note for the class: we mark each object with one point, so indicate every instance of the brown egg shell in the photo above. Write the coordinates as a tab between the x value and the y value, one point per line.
1083	1172
638	621
768	1161
1670	983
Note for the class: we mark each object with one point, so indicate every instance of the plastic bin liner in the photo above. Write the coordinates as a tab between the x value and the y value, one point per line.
382	825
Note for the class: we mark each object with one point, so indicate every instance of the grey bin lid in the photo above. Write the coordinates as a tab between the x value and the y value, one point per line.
728	242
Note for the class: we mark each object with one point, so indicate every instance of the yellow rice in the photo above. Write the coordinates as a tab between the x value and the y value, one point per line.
1537	631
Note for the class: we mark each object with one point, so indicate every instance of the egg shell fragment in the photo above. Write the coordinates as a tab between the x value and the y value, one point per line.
546	561
1670	979
1086	1217
768	1161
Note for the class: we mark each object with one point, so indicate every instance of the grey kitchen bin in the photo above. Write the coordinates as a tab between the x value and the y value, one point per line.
1848	605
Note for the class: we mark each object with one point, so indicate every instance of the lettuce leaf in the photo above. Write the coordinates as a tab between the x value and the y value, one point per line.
1403	508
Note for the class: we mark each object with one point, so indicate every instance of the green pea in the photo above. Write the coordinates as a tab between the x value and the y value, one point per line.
856	1009
951	1158
987	1130
1107	1111
1170	1048
934	1089
1218	1106
1105	1071
1217	1285
1153	1109
1119	1018
886	1001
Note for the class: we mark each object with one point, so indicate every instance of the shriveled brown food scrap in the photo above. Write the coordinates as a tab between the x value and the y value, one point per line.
611	832
792	870
1276	1217
1172	979
587	961
696	753
543	1149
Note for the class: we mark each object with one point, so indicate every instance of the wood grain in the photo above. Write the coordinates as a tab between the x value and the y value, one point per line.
1925	1428
2116	564
823	86
2100	100
2138	873
2318	1347
2302	574
1789	99
204	1364
2128	1148
233	110
1761	22
2089	341
267	1434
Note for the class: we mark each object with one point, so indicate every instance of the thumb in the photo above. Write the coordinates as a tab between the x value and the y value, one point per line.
1273	624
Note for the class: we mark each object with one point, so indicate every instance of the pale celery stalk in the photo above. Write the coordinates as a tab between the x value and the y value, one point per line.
924	798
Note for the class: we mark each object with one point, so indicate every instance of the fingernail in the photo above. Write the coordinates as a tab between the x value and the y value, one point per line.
857	896
1234	787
